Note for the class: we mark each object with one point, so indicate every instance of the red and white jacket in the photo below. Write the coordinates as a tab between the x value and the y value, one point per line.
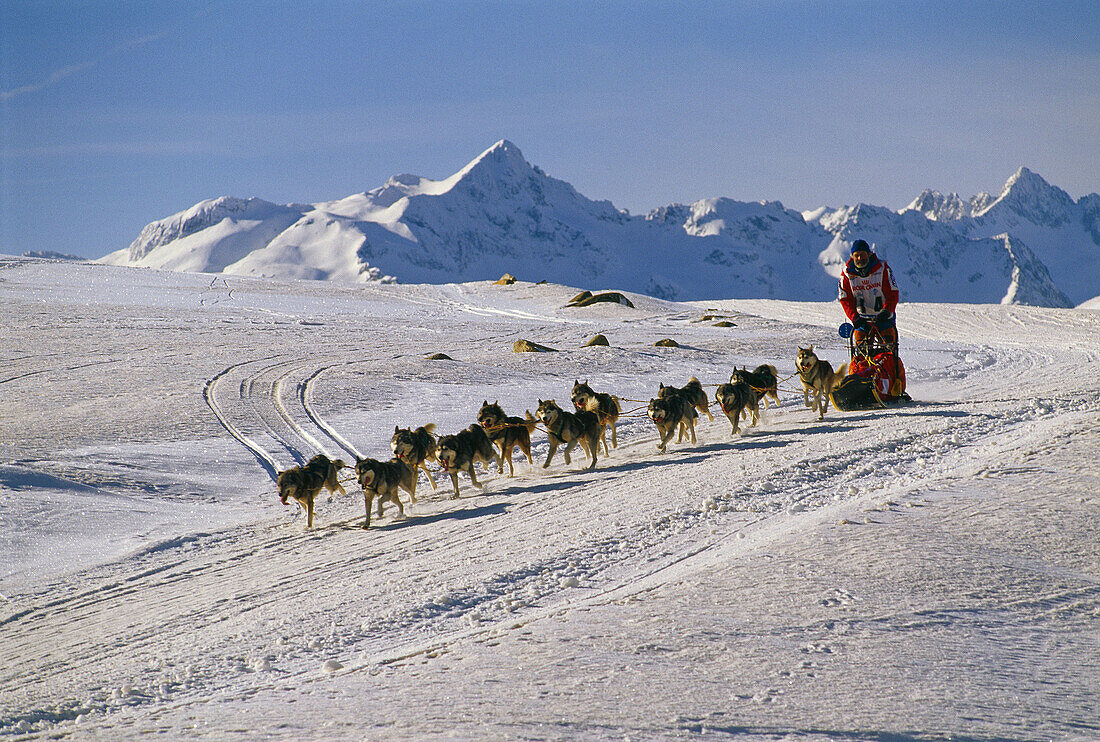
863	294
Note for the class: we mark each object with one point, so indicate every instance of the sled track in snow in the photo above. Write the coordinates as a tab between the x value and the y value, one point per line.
305	395
303	398
23	374
271	410
941	443
288	419
924	457
209	394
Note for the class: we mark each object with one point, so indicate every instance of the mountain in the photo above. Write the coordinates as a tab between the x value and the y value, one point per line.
933	261
941	208
1064	234
1060	233
1031	245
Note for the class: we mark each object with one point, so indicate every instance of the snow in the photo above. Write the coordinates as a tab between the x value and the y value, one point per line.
924	572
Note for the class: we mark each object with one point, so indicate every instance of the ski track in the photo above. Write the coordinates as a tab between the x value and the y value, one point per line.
82	626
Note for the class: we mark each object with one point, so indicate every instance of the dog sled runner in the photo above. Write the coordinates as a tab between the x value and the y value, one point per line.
876	375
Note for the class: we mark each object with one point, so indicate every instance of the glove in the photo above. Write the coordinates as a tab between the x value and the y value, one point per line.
861	325
884	320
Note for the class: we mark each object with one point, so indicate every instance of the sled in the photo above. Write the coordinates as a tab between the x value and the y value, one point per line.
876	375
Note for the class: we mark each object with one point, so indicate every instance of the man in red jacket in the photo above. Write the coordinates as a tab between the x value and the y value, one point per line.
869	294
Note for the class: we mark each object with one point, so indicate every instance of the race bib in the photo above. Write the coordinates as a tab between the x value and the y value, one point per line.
867	291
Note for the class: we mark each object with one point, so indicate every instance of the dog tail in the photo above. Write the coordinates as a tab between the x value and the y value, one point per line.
429	428
841	372
530	422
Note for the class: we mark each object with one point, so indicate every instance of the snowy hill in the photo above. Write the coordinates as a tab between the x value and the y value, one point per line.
938	207
1032	245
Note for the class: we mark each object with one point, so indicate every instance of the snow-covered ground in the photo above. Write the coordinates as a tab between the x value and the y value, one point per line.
924	572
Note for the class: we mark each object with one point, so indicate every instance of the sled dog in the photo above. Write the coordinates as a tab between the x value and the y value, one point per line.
604	405
818	379
670	413
690	394
415	448
693	392
735	400
569	429
382	479
507	432
764	380
304	483
461	451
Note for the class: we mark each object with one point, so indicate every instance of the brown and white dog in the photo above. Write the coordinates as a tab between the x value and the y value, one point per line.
818	379
735	400
570	429
693	392
670	412
304	483
763	379
604	405
507	432
415	448
383	479
461	451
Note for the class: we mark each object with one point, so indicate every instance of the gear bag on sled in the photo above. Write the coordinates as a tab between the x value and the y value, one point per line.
876	377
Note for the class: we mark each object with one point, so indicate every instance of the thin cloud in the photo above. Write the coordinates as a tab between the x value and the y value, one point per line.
169	147
65	72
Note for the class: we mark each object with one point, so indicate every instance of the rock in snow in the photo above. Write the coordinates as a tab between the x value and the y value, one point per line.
1033	244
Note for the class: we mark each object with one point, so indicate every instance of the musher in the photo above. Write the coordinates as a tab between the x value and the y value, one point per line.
869	295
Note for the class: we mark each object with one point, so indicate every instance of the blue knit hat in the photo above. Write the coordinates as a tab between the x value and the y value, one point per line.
859	245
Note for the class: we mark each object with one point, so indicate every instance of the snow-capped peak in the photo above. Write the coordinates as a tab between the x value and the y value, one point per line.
1027	195
1025	179
938	207
501	213
200	216
503	162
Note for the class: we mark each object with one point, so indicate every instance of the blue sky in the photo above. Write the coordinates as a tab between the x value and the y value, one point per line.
114	114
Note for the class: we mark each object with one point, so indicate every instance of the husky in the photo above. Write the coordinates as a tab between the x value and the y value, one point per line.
415	448
604	405
818	378
693	392
507	432
670	413
764	380
382	479
735	400
304	483
461	451
569	429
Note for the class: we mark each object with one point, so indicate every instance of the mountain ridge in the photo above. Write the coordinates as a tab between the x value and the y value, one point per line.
1031	244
